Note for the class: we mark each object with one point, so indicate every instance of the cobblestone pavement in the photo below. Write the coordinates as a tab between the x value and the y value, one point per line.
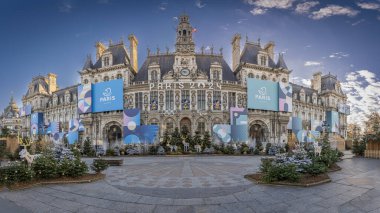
205	184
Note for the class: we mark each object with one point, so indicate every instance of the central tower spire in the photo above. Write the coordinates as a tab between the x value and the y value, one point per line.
184	43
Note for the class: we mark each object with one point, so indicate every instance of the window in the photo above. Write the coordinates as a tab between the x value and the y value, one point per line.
153	76
250	75
216	75
185	99
263	77
106	78
284	80
231	99
263	60
106	61
139	100
217	102
201	99
119	76
169	100
154	100
85	81
201	127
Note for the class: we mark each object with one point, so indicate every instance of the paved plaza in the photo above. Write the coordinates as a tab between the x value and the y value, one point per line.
202	184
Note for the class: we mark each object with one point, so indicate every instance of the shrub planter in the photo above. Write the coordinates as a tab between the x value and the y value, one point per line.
305	180
111	162
88	178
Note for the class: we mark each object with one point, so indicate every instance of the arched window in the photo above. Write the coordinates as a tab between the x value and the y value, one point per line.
119	76
106	78
85	81
284	80
263	77
257	76
250	75
153	76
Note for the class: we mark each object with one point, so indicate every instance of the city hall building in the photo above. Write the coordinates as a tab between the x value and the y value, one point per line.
186	88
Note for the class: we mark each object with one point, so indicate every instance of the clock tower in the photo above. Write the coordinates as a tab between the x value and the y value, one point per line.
184	43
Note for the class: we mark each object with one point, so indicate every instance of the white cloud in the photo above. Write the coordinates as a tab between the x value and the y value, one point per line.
303	8
369	6
163	6
363	94
258	11
333	10
199	4
302	81
241	20
308	46
312	63
358	22
279	4
66	7
339	55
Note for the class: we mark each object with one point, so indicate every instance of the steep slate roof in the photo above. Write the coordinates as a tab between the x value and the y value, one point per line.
165	61
281	62
328	82
39	85
73	90
88	64
308	91
203	63
119	55
250	52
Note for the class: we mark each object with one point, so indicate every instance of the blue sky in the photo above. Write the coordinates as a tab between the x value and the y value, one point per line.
341	37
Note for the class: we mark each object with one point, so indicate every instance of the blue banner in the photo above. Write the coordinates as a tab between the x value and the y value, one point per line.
37	123
262	94
107	96
332	119
25	110
72	137
84	99
140	134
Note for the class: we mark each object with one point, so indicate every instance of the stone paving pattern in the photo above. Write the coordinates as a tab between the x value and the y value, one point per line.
205	184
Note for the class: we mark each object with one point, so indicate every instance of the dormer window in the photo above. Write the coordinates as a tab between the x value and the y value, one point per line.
106	61
85	81
263	60
153	75
216	75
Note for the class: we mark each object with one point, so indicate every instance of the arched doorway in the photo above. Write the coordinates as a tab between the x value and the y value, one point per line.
258	132
185	123
113	135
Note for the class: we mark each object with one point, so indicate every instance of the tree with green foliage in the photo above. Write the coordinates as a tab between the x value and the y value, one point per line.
206	140
184	131
176	138
165	139
5	132
88	149
197	138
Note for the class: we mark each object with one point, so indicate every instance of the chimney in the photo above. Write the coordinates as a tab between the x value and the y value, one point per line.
269	48
100	47
133	42
52	82
316	81
235	51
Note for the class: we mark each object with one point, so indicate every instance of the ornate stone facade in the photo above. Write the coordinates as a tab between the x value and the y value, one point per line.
186	88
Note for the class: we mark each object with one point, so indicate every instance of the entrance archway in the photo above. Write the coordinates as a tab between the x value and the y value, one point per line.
258	132
113	135
185	123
